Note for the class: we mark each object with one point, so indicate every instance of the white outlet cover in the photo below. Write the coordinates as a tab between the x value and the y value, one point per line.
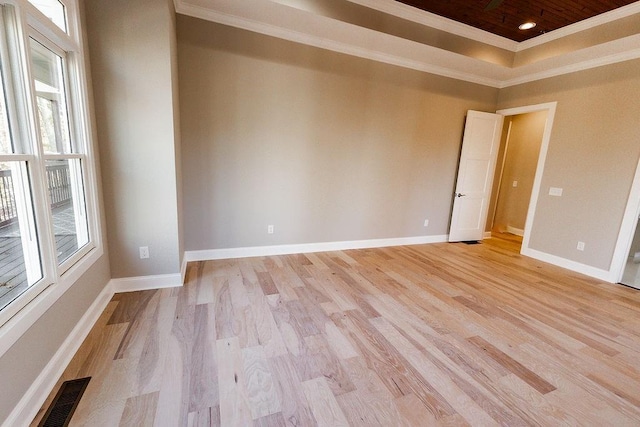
580	246
426	222
515	183
144	252
555	191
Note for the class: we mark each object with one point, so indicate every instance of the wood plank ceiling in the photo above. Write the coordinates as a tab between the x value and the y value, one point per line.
504	19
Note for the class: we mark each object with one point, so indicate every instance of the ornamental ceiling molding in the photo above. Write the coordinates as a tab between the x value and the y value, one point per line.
290	23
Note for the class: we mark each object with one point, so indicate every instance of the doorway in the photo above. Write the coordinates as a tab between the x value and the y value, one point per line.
514	177
631	272
550	109
485	138
625	265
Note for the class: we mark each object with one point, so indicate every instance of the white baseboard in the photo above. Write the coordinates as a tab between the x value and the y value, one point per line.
578	267
37	394
34	398
143	283
256	251
516	231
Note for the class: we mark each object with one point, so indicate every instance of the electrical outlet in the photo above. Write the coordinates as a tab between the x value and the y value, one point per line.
555	191
426	222
580	246
270	229
515	183
144	252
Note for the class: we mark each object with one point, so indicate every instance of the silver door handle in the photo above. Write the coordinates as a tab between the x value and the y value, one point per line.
460	195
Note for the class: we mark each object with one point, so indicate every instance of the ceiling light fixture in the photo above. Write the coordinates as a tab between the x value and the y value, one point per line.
527	25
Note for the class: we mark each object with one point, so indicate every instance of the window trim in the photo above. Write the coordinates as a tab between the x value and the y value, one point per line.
76	153
17	317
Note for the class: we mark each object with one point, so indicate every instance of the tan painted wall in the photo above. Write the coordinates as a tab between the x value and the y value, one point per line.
177	161
131	51
593	153
496	175
25	360
520	165
323	146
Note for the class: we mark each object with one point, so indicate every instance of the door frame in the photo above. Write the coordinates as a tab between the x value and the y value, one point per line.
550	107
627	229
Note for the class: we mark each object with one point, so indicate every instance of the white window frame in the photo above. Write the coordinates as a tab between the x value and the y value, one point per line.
17	317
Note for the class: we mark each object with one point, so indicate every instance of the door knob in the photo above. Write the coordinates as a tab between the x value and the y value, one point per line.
460	195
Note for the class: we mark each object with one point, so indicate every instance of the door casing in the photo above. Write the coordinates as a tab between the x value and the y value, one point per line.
550	107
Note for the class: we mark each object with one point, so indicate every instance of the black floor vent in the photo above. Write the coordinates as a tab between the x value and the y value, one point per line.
65	403
471	242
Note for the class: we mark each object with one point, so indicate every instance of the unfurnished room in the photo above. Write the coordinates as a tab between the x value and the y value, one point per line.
319	212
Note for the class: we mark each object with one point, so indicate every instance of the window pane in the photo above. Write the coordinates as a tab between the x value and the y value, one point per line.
19	253
53	10
53	118
64	179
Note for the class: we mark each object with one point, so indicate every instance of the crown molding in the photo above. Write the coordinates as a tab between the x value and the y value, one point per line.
624	49
281	21
293	24
604	18
438	22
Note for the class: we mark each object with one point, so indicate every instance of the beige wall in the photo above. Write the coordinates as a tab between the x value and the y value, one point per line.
323	146
176	136
520	165
25	360
131	44
593	153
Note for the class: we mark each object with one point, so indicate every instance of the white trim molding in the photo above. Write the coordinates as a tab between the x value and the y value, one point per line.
627	228
550	107
258	251
288	23
613	52
31	402
410	13
515	231
278	19
21	321
143	283
578	267
604	18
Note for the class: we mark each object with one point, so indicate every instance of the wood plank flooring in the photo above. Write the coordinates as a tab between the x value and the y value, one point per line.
440	334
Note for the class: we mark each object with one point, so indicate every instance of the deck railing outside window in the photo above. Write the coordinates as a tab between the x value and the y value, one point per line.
8	210
59	184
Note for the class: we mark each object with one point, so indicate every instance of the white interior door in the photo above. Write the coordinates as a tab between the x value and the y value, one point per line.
480	146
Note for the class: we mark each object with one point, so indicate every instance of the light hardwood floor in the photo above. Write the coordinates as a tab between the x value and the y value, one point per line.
441	334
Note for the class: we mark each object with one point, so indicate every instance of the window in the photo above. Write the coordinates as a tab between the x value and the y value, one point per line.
53	10
63	168
48	223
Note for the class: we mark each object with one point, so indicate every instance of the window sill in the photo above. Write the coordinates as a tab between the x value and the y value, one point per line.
14	327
